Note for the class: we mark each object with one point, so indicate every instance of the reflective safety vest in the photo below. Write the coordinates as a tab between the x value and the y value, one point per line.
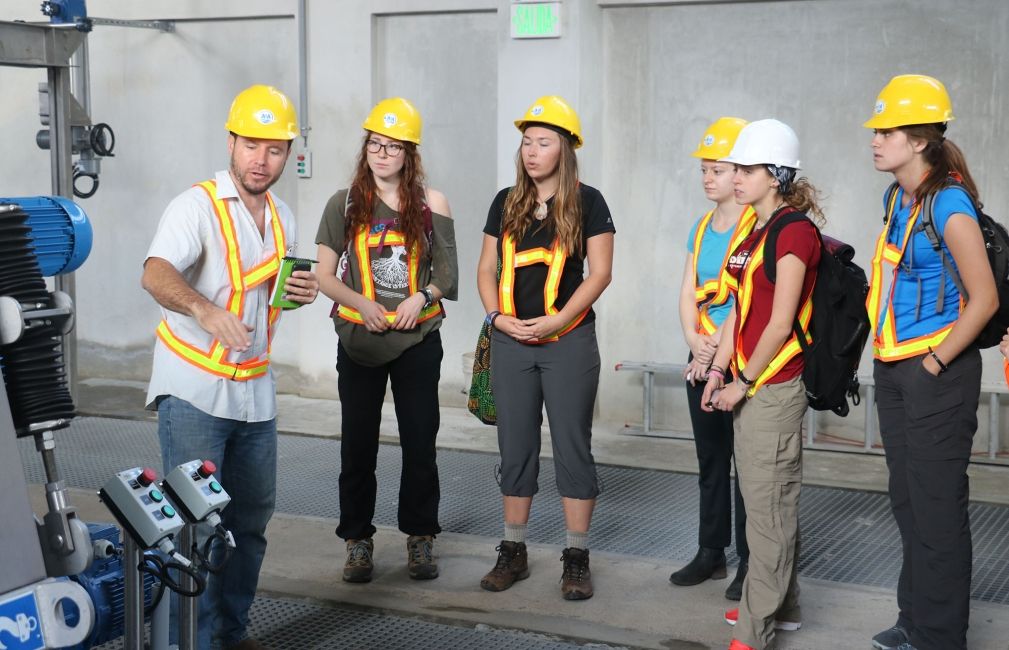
744	300
363	242
886	266
554	259
214	360
716	291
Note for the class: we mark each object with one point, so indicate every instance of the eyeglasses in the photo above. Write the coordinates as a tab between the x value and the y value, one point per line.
392	149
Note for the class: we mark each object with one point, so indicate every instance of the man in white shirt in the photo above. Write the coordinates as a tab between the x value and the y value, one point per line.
211	268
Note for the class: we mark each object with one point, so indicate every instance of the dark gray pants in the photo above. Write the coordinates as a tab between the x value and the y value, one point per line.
927	424
564	375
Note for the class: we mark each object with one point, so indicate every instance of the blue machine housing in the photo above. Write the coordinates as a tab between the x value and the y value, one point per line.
61	232
104	582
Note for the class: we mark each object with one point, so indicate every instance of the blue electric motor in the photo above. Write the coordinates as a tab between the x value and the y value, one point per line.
60	231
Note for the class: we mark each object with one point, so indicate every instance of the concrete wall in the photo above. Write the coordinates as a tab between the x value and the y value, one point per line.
646	78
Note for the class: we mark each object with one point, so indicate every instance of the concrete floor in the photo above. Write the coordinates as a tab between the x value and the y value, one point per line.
634	604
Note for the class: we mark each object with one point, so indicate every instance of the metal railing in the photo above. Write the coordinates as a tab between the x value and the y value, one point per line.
649	370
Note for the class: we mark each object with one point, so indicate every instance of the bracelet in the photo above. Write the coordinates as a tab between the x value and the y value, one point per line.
715	370
490	317
942	366
718	369
742	378
428	297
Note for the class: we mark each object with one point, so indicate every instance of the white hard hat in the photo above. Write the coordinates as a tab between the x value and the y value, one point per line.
766	142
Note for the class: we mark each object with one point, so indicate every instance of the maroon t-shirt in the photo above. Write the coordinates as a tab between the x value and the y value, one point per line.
799	239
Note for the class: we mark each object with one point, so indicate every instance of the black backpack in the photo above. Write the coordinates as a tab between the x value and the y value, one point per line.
839	325
996	243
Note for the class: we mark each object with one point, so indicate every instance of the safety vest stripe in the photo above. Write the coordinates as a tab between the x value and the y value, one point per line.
506	285
213	361
362	243
791	347
716	291
885	344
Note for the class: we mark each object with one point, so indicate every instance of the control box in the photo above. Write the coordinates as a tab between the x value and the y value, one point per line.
303	163
140	507
194	490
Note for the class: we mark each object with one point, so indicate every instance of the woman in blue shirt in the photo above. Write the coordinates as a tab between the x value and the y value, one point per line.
927	369
705	301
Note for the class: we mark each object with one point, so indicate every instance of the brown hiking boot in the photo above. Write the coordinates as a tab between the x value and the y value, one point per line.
576	580
420	557
512	565
359	565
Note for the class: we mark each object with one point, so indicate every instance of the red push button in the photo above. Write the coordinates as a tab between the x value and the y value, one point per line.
147	477
207	468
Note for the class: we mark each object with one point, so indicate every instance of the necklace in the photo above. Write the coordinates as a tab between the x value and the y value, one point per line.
541	208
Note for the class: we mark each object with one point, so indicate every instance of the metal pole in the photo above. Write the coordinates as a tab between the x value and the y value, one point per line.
160	622
870	422
61	158
303	70
133	639
187	606
993	433
649	379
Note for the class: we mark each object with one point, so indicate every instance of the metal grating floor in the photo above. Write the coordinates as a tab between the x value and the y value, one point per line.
283	624
847	536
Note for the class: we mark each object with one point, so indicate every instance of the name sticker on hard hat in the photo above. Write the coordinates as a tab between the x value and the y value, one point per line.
880	107
389	119
265	117
536	111
709	140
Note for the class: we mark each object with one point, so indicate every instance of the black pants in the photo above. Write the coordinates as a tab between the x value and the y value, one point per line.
927	424
414	375
713	443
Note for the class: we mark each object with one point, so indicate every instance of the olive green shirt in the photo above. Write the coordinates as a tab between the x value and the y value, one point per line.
438	266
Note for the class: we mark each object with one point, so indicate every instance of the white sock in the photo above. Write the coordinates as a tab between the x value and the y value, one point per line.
515	532
578	540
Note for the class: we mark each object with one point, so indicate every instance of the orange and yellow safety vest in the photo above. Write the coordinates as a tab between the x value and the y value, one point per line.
716	291
554	259
363	242
214	360
744	300
886	260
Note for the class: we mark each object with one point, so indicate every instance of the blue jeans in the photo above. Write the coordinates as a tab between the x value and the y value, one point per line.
246	457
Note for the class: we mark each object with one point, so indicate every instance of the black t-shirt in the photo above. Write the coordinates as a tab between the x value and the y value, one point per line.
530	280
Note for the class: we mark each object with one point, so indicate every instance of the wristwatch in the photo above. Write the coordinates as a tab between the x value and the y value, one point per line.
428	297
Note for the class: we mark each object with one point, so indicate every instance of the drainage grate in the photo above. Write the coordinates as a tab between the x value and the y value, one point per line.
847	536
292	625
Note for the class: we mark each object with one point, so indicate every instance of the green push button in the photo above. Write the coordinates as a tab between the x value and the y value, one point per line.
215	487
167	510
156	496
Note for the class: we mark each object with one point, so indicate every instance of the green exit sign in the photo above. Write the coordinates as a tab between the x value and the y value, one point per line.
536	20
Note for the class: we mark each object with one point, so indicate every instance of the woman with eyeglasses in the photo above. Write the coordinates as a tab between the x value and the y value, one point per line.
532	281
387	258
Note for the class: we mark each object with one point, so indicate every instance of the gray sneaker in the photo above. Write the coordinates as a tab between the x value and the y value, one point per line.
891	639
420	557
359	565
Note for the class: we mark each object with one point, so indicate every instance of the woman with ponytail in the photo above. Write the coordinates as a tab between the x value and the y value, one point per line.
927	370
767	397
532	281
387	258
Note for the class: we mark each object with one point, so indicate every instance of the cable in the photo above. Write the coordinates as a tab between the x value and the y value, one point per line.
204	557
103	140
81	194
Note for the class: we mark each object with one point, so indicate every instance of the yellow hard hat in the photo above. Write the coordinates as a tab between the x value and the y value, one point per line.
395	118
263	112
719	138
553	110
911	99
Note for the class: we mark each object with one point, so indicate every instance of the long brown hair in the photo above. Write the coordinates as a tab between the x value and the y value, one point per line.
944	159
566	210
802	196
364	196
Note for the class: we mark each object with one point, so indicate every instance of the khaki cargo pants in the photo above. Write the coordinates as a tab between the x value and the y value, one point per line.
768	447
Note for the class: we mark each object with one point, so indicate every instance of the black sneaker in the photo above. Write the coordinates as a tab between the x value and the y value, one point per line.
359	565
576	579
891	639
420	557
